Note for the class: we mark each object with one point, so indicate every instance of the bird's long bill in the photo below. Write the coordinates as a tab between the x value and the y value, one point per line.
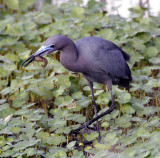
42	51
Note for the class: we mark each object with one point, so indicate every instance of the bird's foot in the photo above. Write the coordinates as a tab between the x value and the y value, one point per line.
112	107
99	136
95	107
97	124
84	126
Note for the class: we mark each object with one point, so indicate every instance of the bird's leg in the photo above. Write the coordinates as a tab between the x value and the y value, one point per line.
94	107
113	106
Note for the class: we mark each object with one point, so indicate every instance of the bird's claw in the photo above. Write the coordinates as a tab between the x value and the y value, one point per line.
84	126
113	106
74	131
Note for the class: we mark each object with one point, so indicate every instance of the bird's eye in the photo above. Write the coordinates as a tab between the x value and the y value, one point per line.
52	46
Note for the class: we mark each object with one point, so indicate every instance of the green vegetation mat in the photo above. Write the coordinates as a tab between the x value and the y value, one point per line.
39	107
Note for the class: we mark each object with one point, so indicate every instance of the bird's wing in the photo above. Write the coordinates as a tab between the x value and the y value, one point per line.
114	63
103	55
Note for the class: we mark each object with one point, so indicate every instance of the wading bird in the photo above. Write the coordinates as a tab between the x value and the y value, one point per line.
99	60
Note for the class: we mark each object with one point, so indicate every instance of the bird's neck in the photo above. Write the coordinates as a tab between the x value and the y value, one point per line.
69	57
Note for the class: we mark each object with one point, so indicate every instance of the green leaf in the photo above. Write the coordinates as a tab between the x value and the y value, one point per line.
76	117
124	121
14	30
15	84
151	52
12	4
7	41
103	98
107	34
15	129
64	101
24	144
154	60
2	101
61	154
84	102
43	18
137	43
105	124
58	92
43	136
77	12
92	136
12	57
25	4
20	48
154	121
143	133
9	67
4	73
6	91
114	114
111	139
30	151
129	140
127	109
6	112
77	95
56	139
64	81
149	110
77	153
124	98
20	99
71	145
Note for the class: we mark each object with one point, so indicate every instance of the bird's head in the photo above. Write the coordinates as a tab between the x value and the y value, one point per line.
53	43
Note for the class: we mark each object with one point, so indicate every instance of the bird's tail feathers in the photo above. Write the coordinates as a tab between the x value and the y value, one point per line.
125	55
124	83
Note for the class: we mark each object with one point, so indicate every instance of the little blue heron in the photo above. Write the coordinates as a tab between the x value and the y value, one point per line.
99	60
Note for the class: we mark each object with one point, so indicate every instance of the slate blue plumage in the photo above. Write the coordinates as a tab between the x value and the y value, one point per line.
99	60
104	61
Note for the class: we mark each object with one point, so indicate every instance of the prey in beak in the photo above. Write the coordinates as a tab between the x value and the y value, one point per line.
38	56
